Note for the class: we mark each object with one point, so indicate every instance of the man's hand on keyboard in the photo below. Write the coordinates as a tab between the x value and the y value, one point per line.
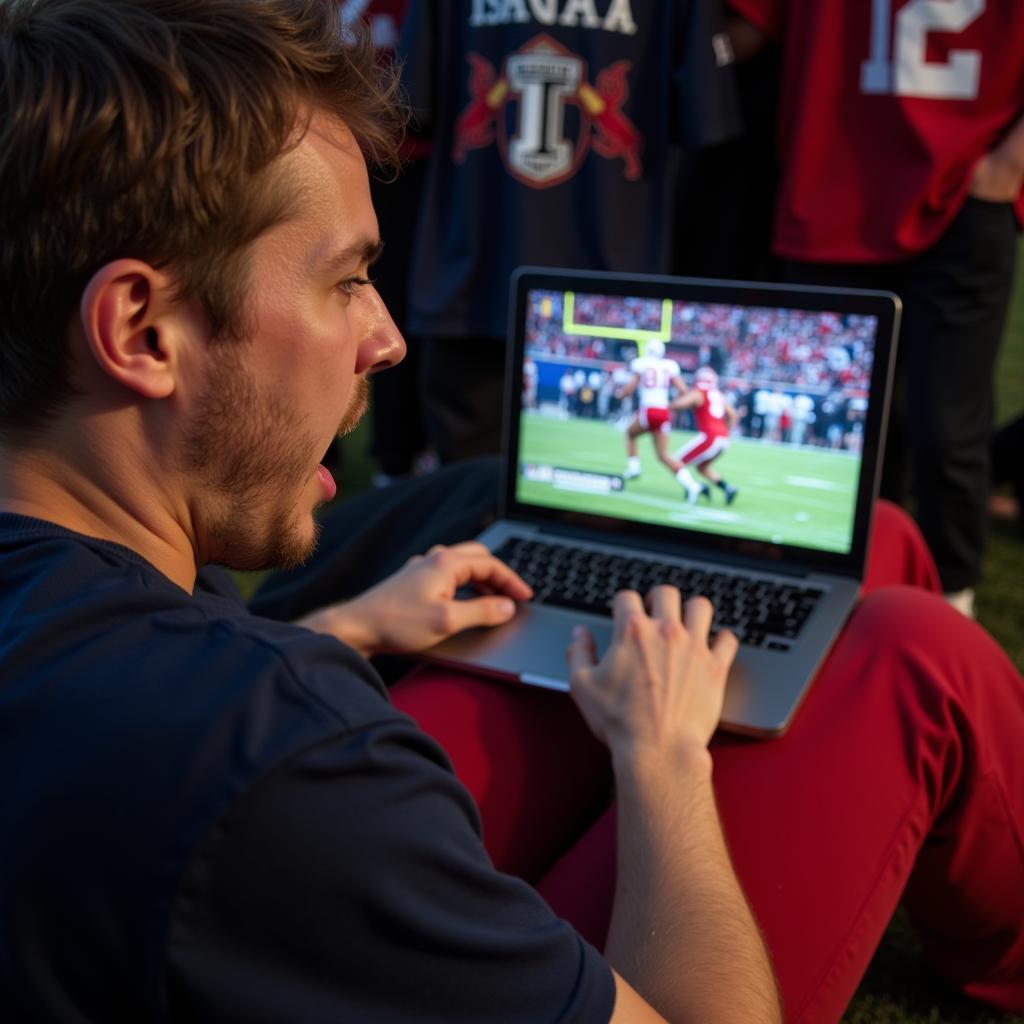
418	606
660	686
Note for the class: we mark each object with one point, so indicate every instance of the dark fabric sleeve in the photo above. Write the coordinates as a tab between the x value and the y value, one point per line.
707	104
352	886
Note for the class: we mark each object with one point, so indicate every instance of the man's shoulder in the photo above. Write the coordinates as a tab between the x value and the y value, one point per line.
136	718
89	611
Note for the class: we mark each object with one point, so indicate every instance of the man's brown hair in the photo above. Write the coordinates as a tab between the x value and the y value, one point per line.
146	129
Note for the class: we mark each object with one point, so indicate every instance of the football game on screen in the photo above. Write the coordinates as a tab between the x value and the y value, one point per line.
738	420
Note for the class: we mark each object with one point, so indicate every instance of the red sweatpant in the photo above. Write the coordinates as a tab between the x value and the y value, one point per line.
901	775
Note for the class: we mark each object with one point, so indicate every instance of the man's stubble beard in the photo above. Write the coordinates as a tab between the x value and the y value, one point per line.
357	406
253	463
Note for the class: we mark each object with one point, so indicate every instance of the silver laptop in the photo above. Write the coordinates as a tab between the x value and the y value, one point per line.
778	449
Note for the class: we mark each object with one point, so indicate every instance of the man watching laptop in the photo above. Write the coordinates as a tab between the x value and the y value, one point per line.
211	815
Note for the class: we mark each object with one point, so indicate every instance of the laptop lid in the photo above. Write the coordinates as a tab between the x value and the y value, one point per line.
807	369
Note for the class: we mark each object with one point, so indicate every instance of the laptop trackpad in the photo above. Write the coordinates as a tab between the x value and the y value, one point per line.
531	647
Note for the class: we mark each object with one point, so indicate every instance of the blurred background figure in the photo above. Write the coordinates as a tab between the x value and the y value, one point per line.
398	442
555	131
901	140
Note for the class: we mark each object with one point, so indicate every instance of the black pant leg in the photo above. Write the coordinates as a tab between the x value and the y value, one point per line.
955	302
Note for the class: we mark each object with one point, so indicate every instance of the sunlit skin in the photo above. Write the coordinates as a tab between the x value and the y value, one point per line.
271	406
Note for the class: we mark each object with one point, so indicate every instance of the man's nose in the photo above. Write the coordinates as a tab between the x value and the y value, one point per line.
382	345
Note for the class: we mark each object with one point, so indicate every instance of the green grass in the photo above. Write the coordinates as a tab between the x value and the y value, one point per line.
901	987
1000	606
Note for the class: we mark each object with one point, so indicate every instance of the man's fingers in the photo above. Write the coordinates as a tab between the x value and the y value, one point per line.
466	547
665	602
478	611
582	651
725	646
626	605
481	567
697	616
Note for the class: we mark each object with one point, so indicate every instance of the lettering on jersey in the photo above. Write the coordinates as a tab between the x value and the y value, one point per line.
525	110
714	399
908	71
617	17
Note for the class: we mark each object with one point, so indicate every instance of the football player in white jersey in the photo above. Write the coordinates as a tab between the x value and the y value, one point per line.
653	376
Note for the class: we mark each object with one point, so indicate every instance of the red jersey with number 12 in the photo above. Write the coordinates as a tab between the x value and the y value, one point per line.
886	106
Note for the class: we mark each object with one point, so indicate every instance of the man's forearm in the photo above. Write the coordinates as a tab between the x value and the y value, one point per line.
682	933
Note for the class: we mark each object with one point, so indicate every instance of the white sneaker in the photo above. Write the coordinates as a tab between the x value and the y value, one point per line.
962	600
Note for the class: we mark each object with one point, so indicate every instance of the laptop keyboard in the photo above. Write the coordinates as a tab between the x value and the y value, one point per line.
762	613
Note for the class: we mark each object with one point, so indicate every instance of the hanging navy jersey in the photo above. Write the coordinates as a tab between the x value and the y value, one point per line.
554	127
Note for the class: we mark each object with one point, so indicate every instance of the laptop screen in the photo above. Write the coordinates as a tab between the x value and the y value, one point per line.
739	419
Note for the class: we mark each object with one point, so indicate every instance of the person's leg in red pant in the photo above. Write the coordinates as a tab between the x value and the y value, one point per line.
900	769
897	552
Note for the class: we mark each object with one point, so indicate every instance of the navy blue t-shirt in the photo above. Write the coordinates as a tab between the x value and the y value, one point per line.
206	815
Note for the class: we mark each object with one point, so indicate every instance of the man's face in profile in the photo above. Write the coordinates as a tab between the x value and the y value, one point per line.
269	407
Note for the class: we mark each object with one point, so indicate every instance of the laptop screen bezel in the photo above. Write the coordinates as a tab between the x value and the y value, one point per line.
883	305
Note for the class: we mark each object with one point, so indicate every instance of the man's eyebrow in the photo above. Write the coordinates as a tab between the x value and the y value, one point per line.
366	251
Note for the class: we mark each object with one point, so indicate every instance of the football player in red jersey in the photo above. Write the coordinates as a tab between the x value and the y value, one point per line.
715	418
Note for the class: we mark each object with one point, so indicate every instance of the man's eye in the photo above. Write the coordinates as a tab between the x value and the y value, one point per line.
351	285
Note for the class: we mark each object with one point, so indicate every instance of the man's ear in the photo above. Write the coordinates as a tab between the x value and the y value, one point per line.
130	326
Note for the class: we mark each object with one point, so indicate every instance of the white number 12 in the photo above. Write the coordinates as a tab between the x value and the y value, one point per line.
908	73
